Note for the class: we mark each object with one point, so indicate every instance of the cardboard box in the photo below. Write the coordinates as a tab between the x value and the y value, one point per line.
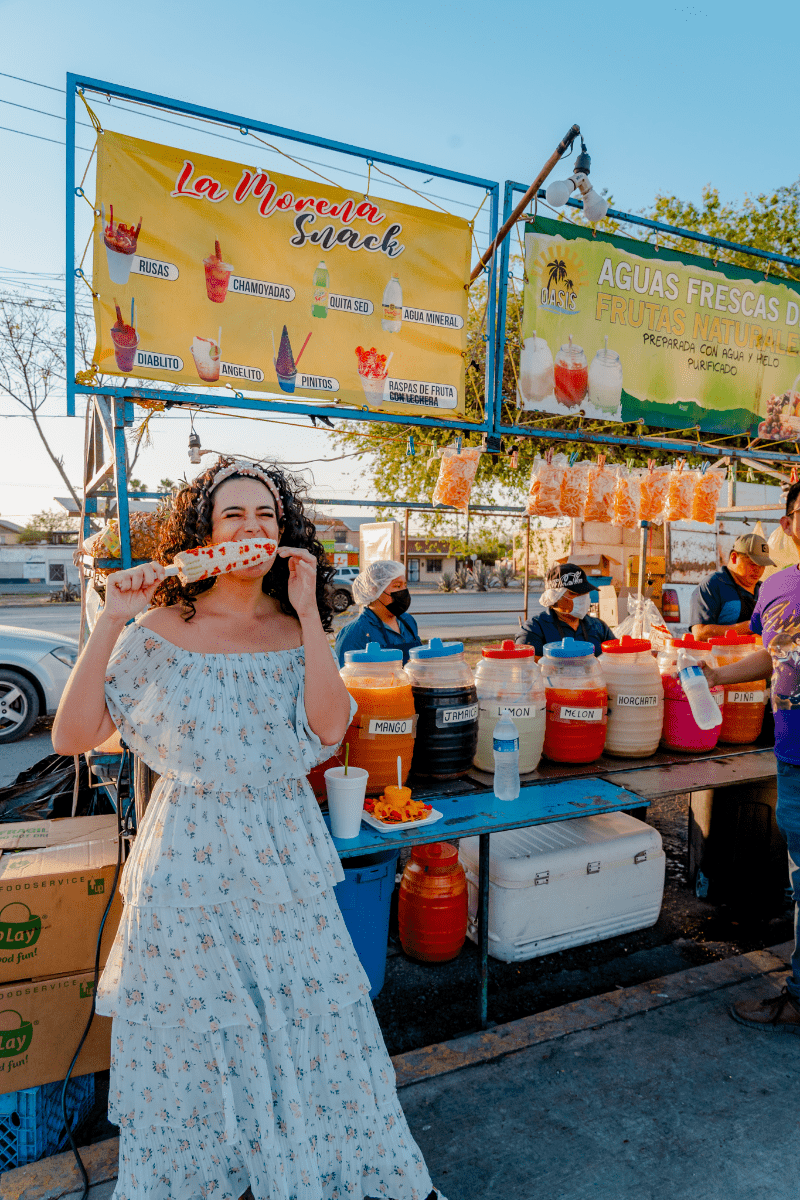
52	900
655	566
41	1023
32	835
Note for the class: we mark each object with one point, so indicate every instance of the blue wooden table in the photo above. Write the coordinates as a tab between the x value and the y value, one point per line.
467	814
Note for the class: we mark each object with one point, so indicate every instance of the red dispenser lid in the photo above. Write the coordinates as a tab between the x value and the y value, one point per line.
627	645
733	639
508	649
690	643
436	857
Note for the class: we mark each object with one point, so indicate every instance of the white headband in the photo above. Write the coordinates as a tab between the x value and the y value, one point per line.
246	468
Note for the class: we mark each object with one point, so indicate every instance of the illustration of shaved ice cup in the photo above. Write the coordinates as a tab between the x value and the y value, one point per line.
126	343
373	371
205	352
120	242
286	382
218	274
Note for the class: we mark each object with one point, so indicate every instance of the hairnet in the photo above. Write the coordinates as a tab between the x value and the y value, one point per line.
374	579
551	596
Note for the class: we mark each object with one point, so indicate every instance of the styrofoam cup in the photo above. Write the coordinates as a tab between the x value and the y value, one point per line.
346	799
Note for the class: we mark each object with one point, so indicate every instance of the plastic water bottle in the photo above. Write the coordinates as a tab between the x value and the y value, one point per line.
505	745
705	709
392	318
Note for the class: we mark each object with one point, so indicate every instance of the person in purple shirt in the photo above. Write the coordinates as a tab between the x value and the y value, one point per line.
777	619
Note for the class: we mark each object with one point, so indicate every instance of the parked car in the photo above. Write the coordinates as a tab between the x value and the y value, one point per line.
342	588
676	600
34	669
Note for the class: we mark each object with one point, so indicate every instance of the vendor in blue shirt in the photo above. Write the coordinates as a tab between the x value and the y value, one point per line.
566	604
727	598
382	593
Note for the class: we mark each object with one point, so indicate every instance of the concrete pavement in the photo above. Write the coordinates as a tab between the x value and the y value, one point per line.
644	1093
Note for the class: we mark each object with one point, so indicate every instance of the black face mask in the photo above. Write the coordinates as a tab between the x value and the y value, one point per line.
400	602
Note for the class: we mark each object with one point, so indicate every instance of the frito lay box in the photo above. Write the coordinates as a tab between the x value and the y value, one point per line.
41	1023
52	898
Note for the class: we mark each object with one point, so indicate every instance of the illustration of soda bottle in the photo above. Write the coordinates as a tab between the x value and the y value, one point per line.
319	307
392	306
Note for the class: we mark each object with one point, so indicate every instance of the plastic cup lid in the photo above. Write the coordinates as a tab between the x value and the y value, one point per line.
733	639
436	648
627	645
508	650
568	648
374	653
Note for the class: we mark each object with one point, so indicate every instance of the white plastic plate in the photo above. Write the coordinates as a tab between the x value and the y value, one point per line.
391	826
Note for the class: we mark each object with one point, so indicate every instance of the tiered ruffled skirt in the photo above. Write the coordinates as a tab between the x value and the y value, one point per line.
245	1049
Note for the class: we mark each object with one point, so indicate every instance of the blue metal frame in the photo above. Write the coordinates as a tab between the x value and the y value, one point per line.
576	435
236	399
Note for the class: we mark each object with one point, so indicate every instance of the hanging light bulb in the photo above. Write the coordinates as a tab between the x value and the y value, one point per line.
559	191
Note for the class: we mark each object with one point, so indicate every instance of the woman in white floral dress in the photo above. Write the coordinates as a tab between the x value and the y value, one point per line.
246	1057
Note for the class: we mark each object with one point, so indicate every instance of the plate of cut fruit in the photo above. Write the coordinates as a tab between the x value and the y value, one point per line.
395	809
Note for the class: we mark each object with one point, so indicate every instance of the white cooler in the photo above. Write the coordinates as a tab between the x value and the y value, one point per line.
567	883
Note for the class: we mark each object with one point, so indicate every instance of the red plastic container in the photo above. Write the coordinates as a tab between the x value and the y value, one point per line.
577	702
432	906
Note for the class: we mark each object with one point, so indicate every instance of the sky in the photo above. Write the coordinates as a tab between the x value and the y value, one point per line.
669	98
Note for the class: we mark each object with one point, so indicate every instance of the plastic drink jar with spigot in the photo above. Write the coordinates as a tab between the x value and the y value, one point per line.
571	375
508	677
446	703
680	730
535	372
635	698
384	725
577	701
744	704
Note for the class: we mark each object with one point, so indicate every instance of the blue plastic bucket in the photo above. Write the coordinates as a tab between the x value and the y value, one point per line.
365	897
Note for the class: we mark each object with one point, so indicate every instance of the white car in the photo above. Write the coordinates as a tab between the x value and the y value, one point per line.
342	588
34	669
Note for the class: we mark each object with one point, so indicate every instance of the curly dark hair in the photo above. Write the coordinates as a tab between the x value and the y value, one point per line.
189	525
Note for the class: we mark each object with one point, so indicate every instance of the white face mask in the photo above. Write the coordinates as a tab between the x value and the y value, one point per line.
580	606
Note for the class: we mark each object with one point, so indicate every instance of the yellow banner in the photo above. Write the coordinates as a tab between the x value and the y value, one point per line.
214	274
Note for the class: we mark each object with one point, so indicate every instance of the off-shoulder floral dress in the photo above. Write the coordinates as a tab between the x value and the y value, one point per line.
245	1049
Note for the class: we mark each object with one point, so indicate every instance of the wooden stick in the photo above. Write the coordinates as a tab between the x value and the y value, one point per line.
504	231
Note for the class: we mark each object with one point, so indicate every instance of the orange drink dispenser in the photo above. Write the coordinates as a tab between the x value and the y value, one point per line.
744	703
432	905
385	724
577	702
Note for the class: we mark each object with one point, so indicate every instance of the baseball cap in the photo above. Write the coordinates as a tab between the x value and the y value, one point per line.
567	575
754	546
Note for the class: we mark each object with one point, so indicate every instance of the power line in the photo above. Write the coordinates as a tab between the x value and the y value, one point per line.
39	137
32	82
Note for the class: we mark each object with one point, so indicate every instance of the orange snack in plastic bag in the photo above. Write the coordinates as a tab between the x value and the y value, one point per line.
654	487
544	499
573	490
706	496
600	484
456	474
678	505
627	495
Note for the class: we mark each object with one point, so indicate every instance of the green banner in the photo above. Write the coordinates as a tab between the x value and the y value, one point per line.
621	329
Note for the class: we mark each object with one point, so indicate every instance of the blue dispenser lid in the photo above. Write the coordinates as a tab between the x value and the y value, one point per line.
374	653
436	648
568	648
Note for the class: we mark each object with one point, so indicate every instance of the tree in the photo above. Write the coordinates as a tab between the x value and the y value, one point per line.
32	362
42	524
137	485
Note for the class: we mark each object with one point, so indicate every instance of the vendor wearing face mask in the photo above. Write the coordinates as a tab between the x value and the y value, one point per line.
566	604
383	595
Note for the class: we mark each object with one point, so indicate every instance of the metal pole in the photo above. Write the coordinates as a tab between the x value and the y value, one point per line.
121	482
466	540
526	580
732	479
564	144
483	928
405	545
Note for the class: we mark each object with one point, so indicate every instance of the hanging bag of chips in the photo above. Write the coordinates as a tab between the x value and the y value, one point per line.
456	473
600	484
544	498
706	495
654	488
573	490
627	499
678	505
